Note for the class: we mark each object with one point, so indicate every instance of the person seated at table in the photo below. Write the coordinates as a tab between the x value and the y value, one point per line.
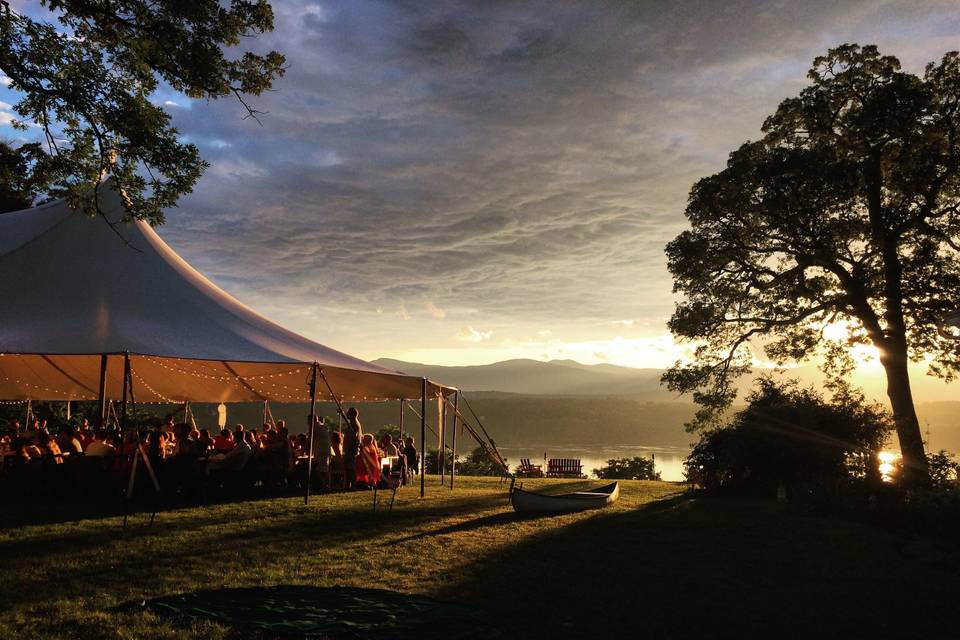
387	447
99	445
368	462
22	449
300	443
204	442
233	460
224	442
410	453
32	432
48	446
85	434
156	446
68	442
183	445
239	433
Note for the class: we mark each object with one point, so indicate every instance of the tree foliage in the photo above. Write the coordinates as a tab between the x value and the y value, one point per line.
845	211
87	79
790	435
636	468
22	179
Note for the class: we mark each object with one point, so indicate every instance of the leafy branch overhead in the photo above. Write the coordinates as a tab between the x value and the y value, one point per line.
86	81
845	211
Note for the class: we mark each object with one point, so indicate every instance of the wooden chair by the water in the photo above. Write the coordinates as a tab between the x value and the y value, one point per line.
564	468
528	470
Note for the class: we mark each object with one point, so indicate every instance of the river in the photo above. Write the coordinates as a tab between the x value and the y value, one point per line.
667	460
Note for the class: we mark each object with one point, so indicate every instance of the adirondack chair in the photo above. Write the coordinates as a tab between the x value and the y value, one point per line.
564	468
528	470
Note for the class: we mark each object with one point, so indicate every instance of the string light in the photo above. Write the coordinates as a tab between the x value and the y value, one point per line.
38	387
151	389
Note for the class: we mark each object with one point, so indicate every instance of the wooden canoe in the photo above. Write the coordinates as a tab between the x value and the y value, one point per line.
529	502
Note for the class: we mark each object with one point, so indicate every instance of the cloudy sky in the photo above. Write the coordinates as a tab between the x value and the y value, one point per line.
465	182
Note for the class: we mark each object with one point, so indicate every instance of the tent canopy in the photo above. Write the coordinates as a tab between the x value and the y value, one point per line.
76	289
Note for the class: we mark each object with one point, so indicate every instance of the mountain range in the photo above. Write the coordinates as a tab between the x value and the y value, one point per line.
570	378
533	377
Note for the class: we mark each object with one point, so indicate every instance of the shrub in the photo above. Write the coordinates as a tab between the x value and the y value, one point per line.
478	463
791	436
637	468
943	470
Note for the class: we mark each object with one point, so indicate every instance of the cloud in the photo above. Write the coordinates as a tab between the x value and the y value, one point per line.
528	161
435	311
469	334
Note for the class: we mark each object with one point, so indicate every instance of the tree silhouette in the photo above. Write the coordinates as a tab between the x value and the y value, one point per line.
845	211
87	76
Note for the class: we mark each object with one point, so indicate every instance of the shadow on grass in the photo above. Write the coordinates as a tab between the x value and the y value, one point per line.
692	567
247	533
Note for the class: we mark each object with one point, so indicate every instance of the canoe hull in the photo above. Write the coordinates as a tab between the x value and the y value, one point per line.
529	502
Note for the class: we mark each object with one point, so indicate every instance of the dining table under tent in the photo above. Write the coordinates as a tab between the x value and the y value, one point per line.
101	308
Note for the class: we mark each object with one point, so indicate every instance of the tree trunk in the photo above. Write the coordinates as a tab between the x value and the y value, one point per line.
894	360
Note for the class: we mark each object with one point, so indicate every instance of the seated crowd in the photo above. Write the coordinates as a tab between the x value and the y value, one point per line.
184	456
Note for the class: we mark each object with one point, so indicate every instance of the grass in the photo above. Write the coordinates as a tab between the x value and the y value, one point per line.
660	563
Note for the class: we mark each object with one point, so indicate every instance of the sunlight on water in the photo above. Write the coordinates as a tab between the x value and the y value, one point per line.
888	465
668	460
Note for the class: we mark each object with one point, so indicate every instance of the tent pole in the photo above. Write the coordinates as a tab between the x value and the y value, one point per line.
264	412
313	420
453	438
123	405
442	419
102	398
423	433
401	419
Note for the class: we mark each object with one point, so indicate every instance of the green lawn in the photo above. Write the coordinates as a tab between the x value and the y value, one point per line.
660	564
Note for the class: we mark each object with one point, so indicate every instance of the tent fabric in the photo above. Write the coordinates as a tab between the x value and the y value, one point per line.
76	288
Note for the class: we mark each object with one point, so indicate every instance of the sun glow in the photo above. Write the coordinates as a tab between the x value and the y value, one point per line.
866	356
888	465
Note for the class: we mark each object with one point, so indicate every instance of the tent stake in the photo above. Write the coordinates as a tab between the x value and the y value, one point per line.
313	420
423	433
453	438
102	398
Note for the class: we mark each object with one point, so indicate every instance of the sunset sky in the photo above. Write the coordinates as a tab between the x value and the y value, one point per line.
461	183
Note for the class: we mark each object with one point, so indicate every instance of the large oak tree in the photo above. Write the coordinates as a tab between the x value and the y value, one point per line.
87	75
846	211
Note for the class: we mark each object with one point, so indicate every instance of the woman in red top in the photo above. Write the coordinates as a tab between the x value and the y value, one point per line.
224	442
368	462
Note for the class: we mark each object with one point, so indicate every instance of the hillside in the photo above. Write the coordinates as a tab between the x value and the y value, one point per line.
533	377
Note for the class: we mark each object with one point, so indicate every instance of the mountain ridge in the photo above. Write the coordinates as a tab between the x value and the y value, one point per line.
537	377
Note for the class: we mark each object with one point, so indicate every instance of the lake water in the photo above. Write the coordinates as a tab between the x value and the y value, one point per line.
667	460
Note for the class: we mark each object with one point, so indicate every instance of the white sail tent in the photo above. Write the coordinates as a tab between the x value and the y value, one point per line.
82	296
